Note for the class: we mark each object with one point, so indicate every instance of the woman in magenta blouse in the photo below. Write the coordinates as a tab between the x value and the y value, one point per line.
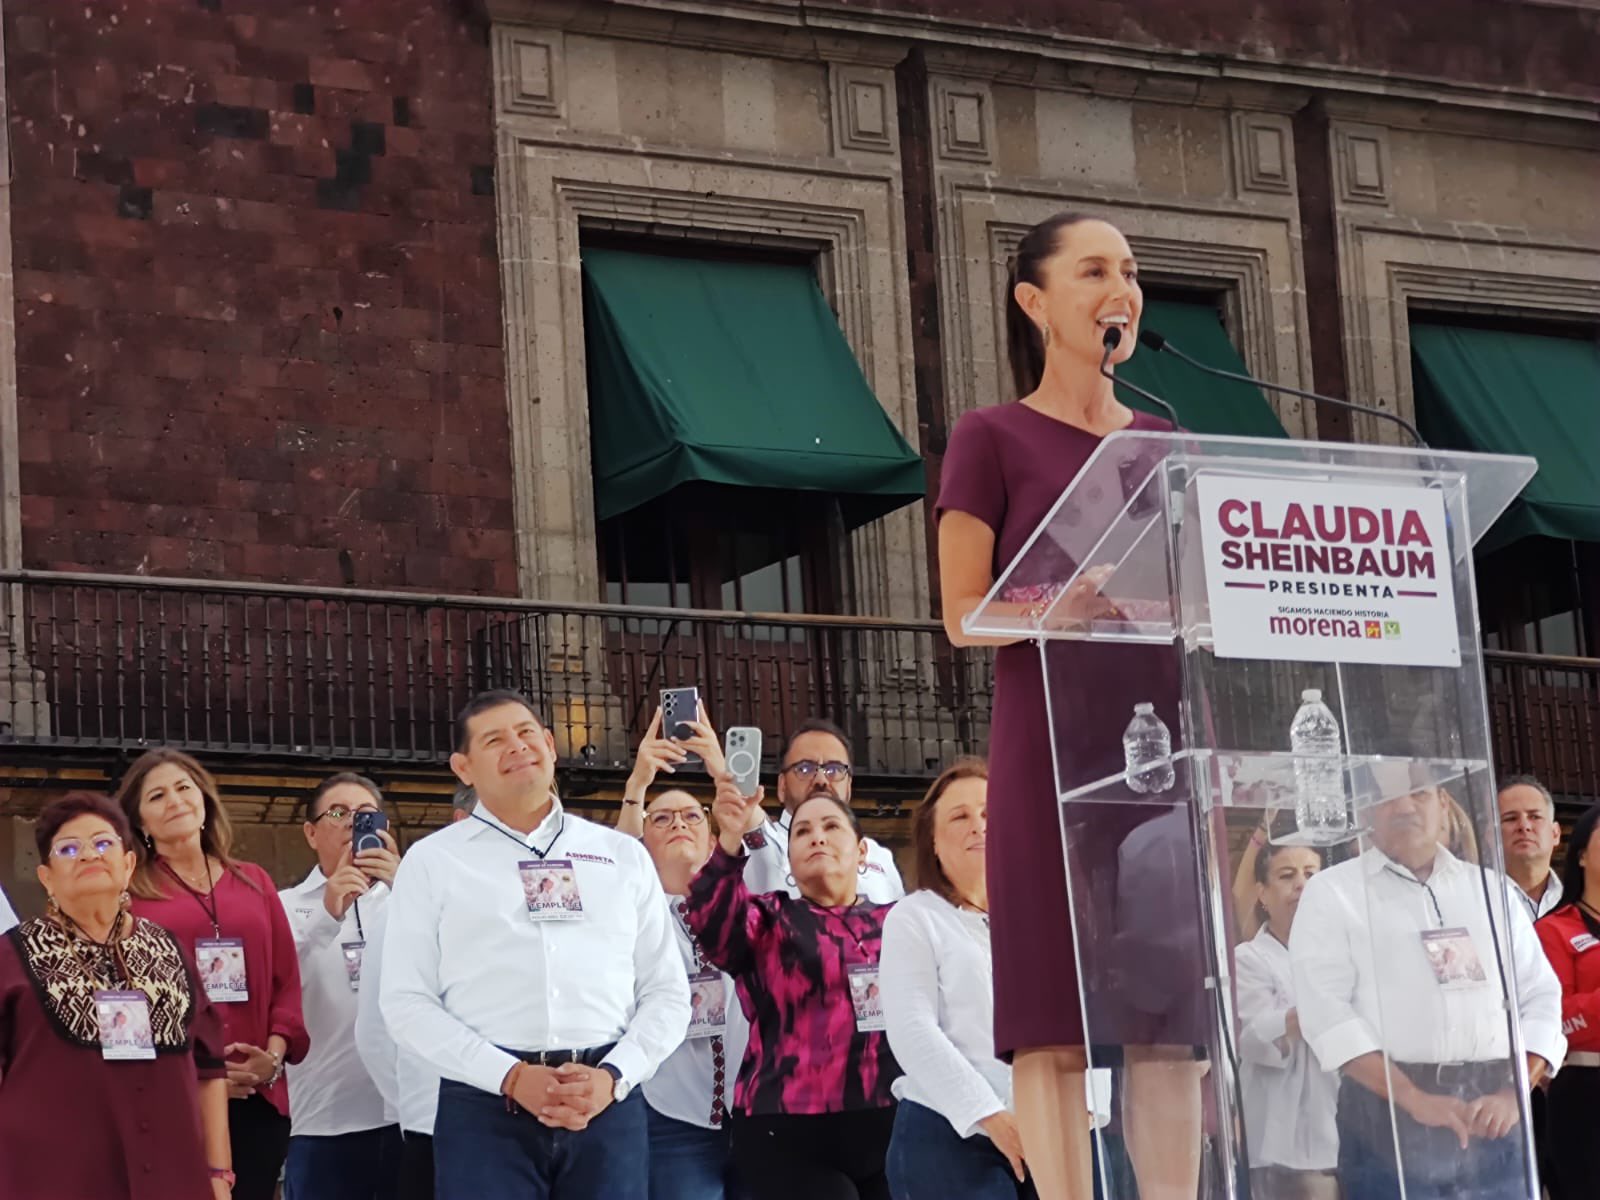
227	915
812	1107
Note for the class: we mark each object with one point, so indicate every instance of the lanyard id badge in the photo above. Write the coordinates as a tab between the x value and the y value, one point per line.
550	887
1454	959
353	952
865	997
708	1005
124	1018
222	969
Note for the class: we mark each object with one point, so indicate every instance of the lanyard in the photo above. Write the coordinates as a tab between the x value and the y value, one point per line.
110	949
538	853
825	917
360	932
211	909
1425	887
680	909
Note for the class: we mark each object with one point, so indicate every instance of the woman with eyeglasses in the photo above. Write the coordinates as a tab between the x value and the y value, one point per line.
186	879
112	1080
813	1108
686	1100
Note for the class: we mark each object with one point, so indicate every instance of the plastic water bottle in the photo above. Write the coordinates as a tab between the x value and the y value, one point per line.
1320	806
1147	751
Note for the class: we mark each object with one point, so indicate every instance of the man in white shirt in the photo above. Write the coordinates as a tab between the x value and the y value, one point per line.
1529	835
410	1086
816	761
542	1018
1398	961
343	1145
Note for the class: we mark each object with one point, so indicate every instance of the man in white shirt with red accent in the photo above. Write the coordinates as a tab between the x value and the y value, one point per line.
529	957
816	761
1401	957
343	1143
410	1086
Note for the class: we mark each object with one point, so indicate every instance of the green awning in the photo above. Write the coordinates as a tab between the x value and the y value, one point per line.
730	373
1518	393
1205	404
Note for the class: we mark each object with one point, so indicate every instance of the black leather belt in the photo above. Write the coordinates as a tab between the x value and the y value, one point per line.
560	1058
1488	1076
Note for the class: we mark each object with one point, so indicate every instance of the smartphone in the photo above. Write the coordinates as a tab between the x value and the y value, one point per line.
743	749
364	827
679	706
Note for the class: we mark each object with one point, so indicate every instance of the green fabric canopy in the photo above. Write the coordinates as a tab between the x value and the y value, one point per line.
731	373
1205	404
1518	393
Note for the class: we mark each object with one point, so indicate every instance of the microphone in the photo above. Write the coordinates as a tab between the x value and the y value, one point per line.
1113	339
1152	340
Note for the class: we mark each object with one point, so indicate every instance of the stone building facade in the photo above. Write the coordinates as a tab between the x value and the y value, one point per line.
292	292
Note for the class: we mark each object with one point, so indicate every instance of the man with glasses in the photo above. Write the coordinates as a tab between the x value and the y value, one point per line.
815	762
343	1143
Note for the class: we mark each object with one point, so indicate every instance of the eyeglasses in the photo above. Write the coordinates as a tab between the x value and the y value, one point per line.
692	817
71	848
807	767
339	814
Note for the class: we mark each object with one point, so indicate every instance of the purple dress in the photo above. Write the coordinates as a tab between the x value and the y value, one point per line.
1007	465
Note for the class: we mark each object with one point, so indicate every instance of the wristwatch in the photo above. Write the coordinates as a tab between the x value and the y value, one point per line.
620	1087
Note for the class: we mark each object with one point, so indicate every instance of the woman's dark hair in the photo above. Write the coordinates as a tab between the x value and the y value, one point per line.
216	835
78	804
930	875
339	780
1572	870
1270	852
1024	342
841	805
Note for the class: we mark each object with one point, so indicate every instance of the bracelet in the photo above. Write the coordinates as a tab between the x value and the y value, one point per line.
225	1174
277	1069
631	803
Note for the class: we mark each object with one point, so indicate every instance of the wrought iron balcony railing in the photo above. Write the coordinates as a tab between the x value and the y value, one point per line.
109	663
117	663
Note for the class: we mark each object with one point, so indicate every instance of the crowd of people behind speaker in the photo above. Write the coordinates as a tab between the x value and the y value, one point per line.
726	1005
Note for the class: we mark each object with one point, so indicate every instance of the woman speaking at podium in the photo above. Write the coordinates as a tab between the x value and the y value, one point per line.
1073	280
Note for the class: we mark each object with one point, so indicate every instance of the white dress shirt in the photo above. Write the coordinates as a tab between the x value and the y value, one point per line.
1547	903
682	1086
8	916
466	972
936	973
767	868
330	1093
1363	981
408	1084
1289	1100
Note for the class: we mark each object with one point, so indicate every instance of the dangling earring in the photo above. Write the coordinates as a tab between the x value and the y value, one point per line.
53	907
126	902
1046	328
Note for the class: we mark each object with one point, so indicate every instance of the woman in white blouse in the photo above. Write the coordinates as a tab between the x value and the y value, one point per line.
1289	1100
954	1133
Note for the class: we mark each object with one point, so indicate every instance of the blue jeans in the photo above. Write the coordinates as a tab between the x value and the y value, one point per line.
929	1160
687	1162
349	1166
1436	1168
483	1152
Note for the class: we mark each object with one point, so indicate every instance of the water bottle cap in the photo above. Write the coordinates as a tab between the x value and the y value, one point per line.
1144	709
1311	695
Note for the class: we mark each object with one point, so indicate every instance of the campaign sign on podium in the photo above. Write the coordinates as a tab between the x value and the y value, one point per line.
1219	579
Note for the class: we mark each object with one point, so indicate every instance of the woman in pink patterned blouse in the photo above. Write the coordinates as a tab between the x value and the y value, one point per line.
813	1110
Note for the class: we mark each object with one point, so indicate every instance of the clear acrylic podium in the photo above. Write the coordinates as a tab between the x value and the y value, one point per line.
1172	570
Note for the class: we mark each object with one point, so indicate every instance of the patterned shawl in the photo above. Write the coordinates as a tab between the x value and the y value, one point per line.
67	971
